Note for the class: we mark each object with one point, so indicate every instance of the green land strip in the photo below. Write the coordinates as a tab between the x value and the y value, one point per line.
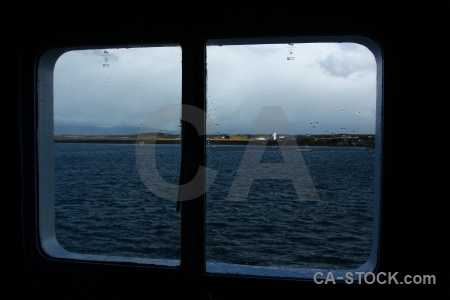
361	140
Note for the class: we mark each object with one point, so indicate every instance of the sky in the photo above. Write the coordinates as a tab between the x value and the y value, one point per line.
300	88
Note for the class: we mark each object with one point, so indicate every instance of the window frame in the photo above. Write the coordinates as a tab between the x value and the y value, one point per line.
193	260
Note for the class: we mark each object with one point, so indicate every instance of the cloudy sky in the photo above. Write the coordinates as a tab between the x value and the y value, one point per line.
314	88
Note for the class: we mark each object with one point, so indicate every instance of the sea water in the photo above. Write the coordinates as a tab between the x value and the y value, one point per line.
104	207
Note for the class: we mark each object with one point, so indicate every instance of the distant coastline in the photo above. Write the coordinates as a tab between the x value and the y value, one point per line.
238	139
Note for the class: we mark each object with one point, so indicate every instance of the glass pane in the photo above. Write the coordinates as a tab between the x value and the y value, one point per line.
292	139
109	155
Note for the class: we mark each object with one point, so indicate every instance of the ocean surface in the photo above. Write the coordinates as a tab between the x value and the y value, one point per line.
105	206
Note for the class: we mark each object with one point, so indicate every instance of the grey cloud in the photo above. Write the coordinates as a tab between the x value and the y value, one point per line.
350	59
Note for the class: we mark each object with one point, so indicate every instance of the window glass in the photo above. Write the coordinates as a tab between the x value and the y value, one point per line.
108	158
292	141
292	148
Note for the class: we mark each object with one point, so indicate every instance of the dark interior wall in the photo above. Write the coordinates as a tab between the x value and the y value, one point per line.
414	223
13	270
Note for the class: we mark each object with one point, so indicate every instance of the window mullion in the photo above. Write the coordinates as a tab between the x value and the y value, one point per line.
193	156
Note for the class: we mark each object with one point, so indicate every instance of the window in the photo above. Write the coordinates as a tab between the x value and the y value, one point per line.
103	104
271	168
300	192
